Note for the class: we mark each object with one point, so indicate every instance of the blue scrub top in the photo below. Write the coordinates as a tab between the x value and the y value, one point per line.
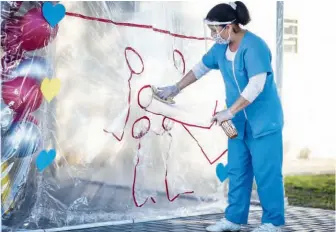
264	114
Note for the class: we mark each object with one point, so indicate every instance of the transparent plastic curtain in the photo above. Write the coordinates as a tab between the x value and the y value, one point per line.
26	59
120	155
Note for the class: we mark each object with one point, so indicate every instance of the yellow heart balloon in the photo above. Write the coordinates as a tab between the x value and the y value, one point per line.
50	88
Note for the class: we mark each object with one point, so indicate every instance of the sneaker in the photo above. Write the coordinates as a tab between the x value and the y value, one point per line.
223	225
267	227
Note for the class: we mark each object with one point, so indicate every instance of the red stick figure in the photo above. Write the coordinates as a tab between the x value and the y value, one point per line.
166	125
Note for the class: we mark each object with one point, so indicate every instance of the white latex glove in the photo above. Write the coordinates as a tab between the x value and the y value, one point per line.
168	91
222	116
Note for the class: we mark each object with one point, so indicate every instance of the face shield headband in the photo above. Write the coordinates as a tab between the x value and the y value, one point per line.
216	23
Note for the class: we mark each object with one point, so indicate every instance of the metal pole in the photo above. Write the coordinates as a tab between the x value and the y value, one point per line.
279	45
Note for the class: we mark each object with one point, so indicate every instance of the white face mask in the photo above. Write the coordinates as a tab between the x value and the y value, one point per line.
218	38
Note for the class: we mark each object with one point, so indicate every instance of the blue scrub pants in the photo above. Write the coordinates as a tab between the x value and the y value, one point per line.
262	158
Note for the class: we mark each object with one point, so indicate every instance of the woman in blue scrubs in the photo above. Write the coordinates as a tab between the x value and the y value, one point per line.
254	107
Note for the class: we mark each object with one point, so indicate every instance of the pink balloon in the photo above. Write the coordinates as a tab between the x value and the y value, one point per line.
36	31
22	94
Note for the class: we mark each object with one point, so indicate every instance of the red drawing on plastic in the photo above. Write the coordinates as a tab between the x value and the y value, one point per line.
185	125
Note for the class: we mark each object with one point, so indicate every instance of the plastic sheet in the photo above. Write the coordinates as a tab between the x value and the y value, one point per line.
120	155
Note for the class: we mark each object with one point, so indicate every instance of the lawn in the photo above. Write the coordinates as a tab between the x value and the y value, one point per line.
317	191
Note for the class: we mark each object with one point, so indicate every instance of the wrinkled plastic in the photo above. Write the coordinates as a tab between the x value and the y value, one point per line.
120	154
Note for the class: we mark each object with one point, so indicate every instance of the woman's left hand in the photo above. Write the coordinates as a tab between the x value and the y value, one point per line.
222	116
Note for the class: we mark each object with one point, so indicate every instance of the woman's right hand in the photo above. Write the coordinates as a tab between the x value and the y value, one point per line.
168	92
173	90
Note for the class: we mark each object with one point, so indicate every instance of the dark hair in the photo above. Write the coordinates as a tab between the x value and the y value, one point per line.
225	13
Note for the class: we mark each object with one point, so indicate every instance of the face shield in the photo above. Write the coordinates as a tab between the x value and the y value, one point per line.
213	26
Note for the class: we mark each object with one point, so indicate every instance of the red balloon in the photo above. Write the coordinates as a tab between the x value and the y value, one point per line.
22	94
36	31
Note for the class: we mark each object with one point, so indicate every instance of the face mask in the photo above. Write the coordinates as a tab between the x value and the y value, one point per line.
218	38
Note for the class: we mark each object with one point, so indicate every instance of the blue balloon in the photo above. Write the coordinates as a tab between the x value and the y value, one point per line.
222	172
34	67
21	140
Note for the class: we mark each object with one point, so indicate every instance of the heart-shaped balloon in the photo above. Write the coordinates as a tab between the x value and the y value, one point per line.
44	159
222	172
53	13
50	88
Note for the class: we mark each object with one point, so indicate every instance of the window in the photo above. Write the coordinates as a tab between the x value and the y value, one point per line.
290	36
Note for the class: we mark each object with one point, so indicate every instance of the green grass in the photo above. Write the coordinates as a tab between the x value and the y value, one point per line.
316	191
